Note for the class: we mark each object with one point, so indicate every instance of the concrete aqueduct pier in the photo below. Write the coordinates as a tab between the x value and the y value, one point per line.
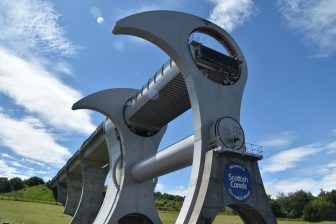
125	146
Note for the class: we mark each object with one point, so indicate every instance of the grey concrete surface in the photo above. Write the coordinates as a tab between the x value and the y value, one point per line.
74	192
132	197
61	192
92	193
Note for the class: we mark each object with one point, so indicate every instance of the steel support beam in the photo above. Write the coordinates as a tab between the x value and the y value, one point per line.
170	159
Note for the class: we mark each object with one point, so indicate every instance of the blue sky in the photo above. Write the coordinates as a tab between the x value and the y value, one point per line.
54	53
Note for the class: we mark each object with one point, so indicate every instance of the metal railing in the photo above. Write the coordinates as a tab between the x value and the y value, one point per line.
253	149
248	148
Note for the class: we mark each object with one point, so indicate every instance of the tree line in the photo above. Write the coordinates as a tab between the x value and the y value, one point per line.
169	197
168	202
16	183
301	204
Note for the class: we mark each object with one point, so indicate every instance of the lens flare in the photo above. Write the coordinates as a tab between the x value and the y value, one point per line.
95	12
100	20
119	45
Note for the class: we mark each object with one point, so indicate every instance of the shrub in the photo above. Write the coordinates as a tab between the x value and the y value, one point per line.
4	185
319	209
34	181
310	212
16	184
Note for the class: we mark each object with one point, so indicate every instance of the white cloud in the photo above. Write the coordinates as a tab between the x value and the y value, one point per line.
289	158
37	23
63	68
328	168
174	190
159	187
28	138
33	45
291	185
282	140
34	162
15	169
32	33
331	165
326	180
17	164
38	91
314	20
179	190
8	171
5	155
333	132
230	14
331	147
12	166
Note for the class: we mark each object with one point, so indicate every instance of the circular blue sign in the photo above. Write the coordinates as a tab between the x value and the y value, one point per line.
238	182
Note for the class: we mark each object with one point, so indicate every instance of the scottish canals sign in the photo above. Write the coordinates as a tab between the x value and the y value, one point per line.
238	182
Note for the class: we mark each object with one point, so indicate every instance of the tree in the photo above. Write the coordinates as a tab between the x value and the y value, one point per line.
276	208
4	185
283	201
311	212
16	183
331	196
293	204
34	181
319	209
326	210
298	200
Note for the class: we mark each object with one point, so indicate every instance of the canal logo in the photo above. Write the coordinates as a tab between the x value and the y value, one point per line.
238	182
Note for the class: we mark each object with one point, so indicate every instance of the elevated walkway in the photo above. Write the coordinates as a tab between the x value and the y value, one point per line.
165	96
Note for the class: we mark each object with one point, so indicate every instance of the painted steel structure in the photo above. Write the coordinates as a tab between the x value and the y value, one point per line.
224	171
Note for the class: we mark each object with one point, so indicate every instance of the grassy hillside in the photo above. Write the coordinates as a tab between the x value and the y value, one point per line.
168	202
35	193
18	212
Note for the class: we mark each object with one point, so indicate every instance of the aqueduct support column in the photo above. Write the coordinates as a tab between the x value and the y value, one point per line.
251	207
61	193
132	198
92	192
114	154
74	192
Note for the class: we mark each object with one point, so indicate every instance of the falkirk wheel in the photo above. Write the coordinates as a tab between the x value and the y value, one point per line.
224	170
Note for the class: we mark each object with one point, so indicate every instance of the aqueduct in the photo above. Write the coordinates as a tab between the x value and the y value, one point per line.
125	146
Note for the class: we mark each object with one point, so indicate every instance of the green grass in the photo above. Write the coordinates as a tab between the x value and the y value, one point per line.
170	218
35	193
17	212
